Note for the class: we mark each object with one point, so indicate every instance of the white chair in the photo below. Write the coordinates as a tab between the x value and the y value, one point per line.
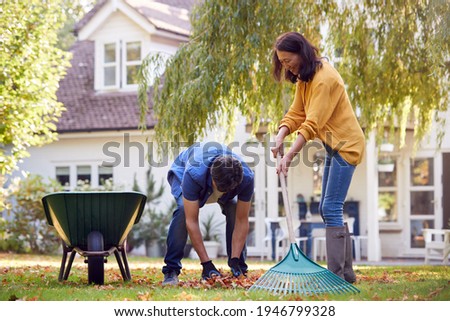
437	244
355	238
319	242
280	236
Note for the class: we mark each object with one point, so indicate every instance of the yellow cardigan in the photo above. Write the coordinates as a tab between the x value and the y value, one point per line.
321	108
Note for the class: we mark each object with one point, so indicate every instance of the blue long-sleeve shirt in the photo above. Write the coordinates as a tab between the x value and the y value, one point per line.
190	174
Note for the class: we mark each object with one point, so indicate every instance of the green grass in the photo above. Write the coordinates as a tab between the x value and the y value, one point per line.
28	277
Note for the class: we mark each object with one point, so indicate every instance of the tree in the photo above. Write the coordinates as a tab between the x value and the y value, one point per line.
395	60
225	67
74	11
389	51
31	68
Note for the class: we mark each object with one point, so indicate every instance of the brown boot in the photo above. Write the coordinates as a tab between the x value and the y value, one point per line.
335	243
349	274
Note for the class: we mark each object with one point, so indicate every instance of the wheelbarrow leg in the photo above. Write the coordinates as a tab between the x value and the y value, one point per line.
69	265
64	271
63	264
125	262
122	269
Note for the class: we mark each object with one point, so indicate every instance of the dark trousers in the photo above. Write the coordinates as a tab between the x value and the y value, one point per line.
177	236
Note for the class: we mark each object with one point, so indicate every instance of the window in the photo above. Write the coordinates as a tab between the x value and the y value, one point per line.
104	173
88	175
132	62
387	183
110	65
84	173
63	175
121	61
387	196
421	199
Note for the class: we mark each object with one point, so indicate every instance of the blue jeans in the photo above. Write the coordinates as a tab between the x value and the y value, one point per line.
337	176
177	235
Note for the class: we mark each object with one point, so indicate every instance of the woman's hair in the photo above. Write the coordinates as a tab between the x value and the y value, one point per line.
295	42
227	173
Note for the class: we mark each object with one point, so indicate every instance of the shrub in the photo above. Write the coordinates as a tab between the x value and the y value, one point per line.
26	230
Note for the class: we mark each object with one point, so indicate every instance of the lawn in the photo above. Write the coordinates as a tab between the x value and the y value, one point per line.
29	277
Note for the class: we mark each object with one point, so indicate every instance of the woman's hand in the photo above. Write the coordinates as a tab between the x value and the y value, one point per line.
279	148
284	164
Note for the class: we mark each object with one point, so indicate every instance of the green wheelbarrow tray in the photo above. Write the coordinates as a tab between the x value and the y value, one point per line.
94	225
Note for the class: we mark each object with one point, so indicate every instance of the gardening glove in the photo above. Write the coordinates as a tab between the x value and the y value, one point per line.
235	268
209	270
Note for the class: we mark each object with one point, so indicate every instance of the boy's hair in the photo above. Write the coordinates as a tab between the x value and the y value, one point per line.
227	173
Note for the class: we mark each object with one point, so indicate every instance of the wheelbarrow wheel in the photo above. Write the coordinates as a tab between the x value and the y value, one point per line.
96	267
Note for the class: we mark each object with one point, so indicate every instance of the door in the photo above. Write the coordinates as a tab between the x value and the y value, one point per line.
446	190
423	199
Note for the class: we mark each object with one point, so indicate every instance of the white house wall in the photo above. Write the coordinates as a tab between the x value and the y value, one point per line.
87	149
119	26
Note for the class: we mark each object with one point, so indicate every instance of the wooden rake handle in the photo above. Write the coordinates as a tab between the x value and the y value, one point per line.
286	203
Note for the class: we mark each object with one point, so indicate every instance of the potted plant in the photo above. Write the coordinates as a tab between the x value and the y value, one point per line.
386	147
386	164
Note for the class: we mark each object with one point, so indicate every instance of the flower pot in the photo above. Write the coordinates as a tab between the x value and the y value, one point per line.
211	247
387	147
386	167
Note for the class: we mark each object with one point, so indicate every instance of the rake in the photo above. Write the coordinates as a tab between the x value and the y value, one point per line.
296	273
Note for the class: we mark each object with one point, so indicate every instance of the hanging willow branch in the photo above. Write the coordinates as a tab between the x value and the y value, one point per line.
225	68
392	60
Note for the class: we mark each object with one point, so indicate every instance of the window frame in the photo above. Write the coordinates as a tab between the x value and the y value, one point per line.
121	64
422	188
102	65
125	63
73	177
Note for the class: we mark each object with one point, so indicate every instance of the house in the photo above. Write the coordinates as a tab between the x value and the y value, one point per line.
99	139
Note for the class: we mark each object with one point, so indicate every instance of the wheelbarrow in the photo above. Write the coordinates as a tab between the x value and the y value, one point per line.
94	225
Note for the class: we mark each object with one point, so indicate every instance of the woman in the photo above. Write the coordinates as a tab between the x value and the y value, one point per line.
321	109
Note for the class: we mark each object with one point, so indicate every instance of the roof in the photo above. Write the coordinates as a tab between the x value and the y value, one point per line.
163	16
88	110
166	15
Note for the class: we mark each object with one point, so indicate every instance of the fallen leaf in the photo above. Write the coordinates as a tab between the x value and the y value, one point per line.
147	296
375	297
183	296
